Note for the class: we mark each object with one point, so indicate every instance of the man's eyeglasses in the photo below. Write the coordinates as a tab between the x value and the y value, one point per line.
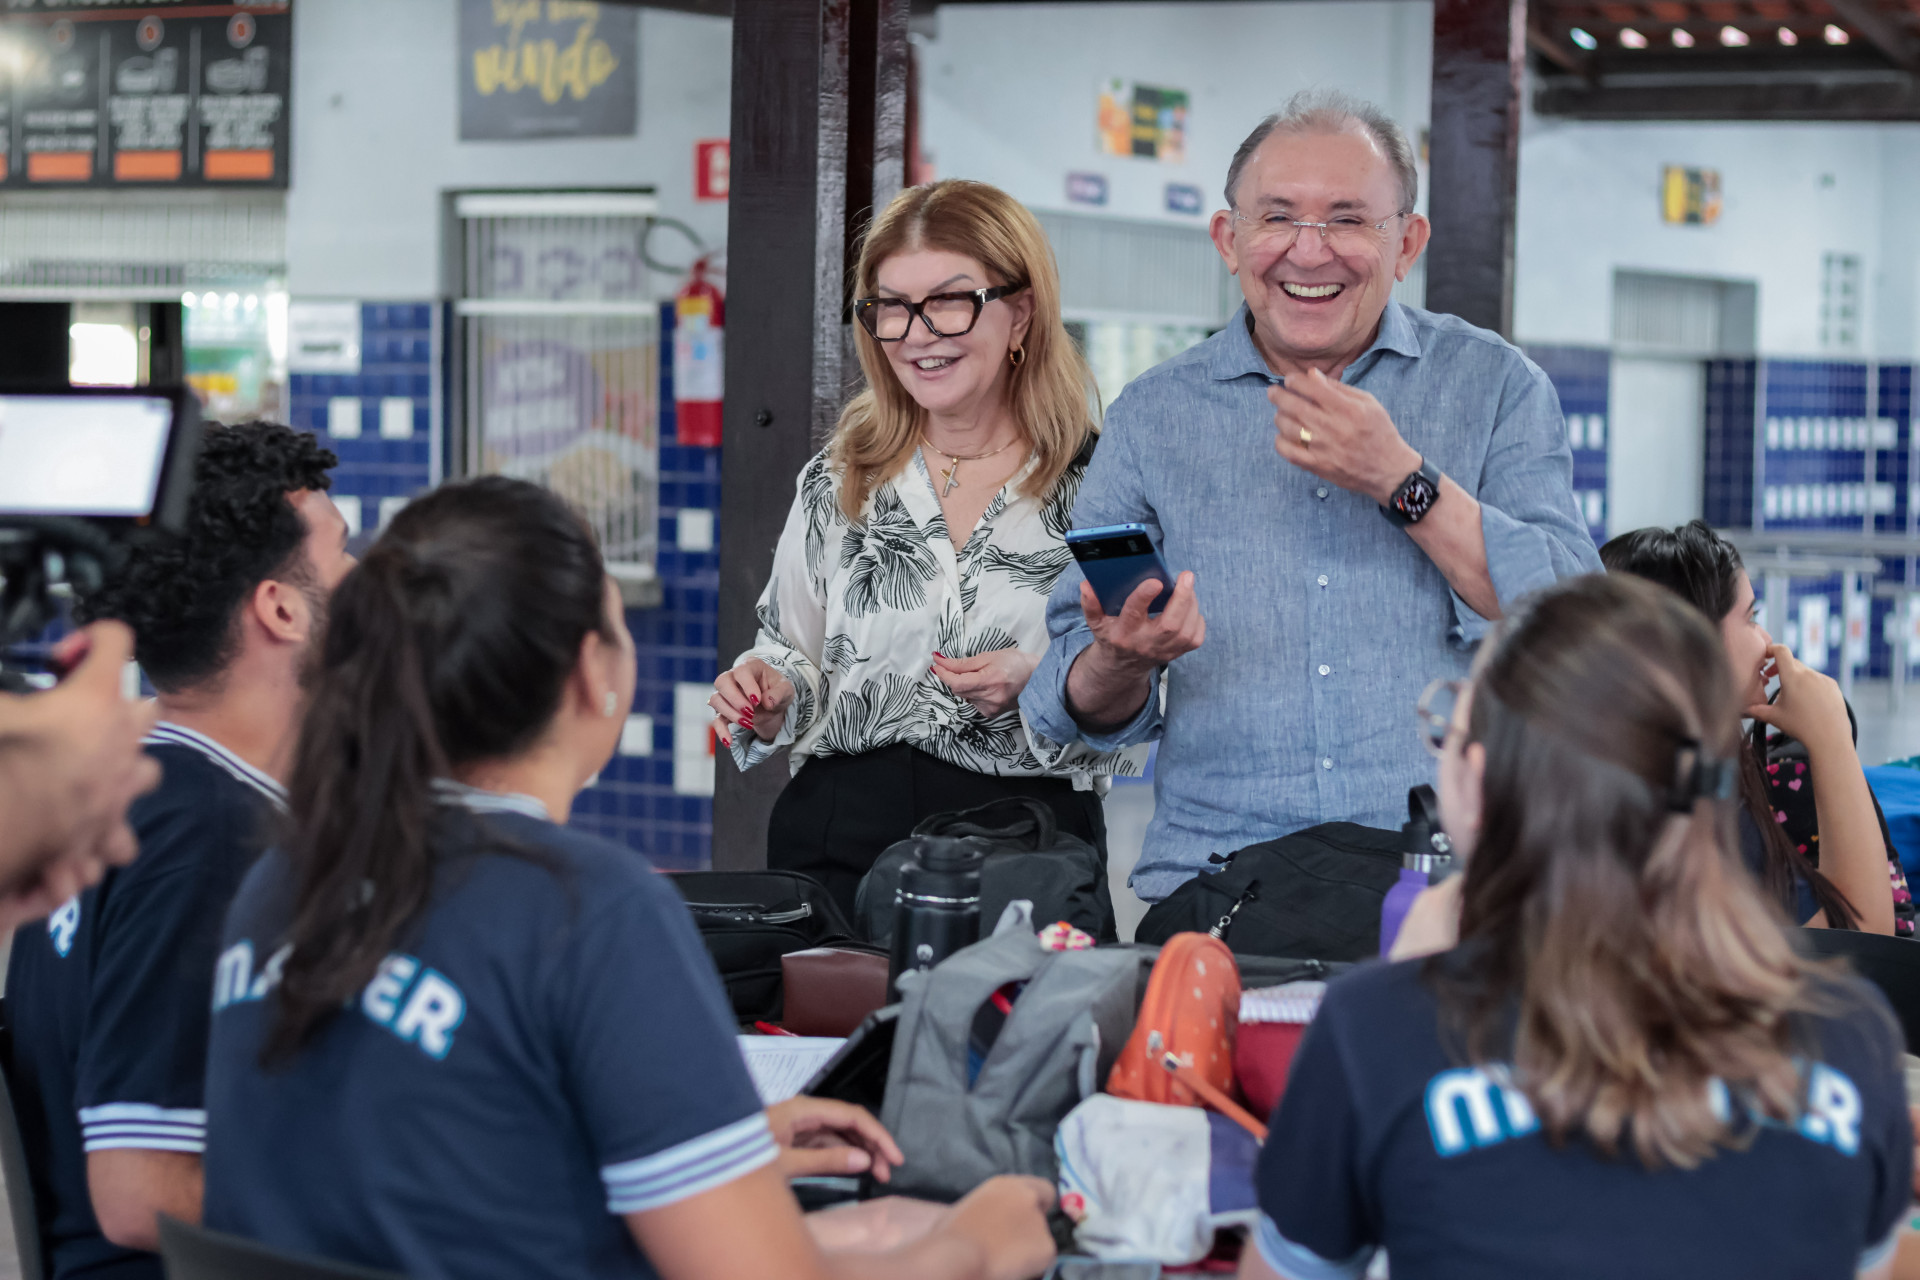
1435	709
946	315
1348	233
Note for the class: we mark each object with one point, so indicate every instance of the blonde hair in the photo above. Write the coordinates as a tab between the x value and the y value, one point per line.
1051	390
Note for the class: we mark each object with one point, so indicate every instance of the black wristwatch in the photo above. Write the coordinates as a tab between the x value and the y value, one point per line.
1415	496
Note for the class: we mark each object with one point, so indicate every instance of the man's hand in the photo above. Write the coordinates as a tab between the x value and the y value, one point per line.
70	764
1137	642
1351	440
1111	679
990	682
820	1137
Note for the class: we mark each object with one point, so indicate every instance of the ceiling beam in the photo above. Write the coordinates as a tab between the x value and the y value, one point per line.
1555	52
1881	100
1865	17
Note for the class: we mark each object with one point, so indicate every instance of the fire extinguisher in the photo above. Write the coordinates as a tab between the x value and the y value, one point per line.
699	311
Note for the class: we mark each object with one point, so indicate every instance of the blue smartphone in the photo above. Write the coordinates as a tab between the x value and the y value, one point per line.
1116	559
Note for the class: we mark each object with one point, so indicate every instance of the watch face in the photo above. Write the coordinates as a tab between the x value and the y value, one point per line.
1417	497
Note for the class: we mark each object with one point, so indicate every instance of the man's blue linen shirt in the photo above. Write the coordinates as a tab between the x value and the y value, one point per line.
1324	620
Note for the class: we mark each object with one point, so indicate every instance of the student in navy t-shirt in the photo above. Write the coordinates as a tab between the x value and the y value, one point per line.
452	1037
107	999
1621	1068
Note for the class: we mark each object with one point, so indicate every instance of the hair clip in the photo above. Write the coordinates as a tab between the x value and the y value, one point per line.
1702	777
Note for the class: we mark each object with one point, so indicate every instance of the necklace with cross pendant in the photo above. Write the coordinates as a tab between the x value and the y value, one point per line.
951	473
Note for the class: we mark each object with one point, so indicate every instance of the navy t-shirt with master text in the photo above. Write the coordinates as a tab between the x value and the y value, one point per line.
107	998
1385	1141
548	1048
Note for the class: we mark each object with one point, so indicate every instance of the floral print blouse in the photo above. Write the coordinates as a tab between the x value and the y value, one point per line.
855	611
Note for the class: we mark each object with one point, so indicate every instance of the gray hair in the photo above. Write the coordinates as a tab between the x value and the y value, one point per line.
1330	111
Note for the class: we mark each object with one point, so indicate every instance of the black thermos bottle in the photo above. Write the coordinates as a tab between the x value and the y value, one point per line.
936	910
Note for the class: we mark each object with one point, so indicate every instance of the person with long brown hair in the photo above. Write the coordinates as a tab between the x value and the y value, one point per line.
1622	1067
453	1037
1837	870
907	606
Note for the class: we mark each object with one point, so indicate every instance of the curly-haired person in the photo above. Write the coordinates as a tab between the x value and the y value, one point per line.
108	1002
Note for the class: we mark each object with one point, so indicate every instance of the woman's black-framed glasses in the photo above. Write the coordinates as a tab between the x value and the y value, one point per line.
1435	709
946	315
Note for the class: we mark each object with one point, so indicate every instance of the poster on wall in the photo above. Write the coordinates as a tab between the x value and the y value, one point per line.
1143	120
172	94
548	69
1689	196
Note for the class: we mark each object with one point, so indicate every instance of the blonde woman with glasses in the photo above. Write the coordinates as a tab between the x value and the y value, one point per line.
907	606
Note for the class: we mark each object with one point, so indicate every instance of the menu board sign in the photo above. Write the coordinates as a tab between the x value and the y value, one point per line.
172	93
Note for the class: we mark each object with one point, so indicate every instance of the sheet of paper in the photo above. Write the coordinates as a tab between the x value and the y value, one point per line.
780	1065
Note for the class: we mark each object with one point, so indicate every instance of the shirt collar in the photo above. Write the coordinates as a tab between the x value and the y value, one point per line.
478	801
168	734
1235	356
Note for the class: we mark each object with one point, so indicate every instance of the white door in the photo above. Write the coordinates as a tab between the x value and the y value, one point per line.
1656	443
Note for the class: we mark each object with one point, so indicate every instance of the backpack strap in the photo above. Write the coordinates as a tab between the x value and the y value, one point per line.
1012	819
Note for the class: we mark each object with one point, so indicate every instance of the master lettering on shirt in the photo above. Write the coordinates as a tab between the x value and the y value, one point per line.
1471	1108
418	1004
63	924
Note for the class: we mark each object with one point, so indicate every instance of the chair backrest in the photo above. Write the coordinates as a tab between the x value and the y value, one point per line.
1891	964
200	1253
22	1214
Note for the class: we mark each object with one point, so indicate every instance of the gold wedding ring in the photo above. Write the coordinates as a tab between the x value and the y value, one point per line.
1306	437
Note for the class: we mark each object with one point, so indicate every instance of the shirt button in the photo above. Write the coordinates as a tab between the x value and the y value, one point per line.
1325	670
1326	762
1322	579
1321	493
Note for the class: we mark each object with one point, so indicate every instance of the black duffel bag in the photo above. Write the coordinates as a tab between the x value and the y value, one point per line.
1029	857
749	919
1317	892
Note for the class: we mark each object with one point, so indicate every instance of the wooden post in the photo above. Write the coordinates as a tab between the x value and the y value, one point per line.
818	139
1479	62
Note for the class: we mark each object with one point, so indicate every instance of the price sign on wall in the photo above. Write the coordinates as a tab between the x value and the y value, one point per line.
181	94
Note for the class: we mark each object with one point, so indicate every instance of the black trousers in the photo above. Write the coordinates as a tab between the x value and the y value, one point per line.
839	813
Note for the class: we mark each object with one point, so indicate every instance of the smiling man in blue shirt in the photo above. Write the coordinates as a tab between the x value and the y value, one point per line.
1355	488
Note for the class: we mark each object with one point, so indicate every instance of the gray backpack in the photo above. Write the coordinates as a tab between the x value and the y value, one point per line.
1056	1046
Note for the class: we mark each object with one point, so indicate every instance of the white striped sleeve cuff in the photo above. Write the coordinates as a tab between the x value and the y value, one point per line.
1292	1261
696	1165
1877	1254
117	1125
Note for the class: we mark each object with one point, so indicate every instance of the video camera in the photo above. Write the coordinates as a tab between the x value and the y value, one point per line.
83	473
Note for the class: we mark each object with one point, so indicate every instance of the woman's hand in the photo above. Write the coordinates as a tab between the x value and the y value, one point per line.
753	696
991	682
1809	705
820	1137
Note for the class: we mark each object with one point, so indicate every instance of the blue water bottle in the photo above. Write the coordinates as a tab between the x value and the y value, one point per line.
1427	860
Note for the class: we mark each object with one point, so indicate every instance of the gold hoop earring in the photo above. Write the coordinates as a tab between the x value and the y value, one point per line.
1017	356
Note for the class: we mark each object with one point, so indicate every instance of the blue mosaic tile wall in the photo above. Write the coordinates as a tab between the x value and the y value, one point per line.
1727	474
1579	375
1835	441
635	801
1818	436
399	360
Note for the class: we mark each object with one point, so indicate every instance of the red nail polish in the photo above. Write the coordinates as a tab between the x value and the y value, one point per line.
754	700
938	654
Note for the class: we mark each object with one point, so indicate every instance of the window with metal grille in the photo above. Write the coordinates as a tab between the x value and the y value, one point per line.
1840	302
1671	315
559	352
